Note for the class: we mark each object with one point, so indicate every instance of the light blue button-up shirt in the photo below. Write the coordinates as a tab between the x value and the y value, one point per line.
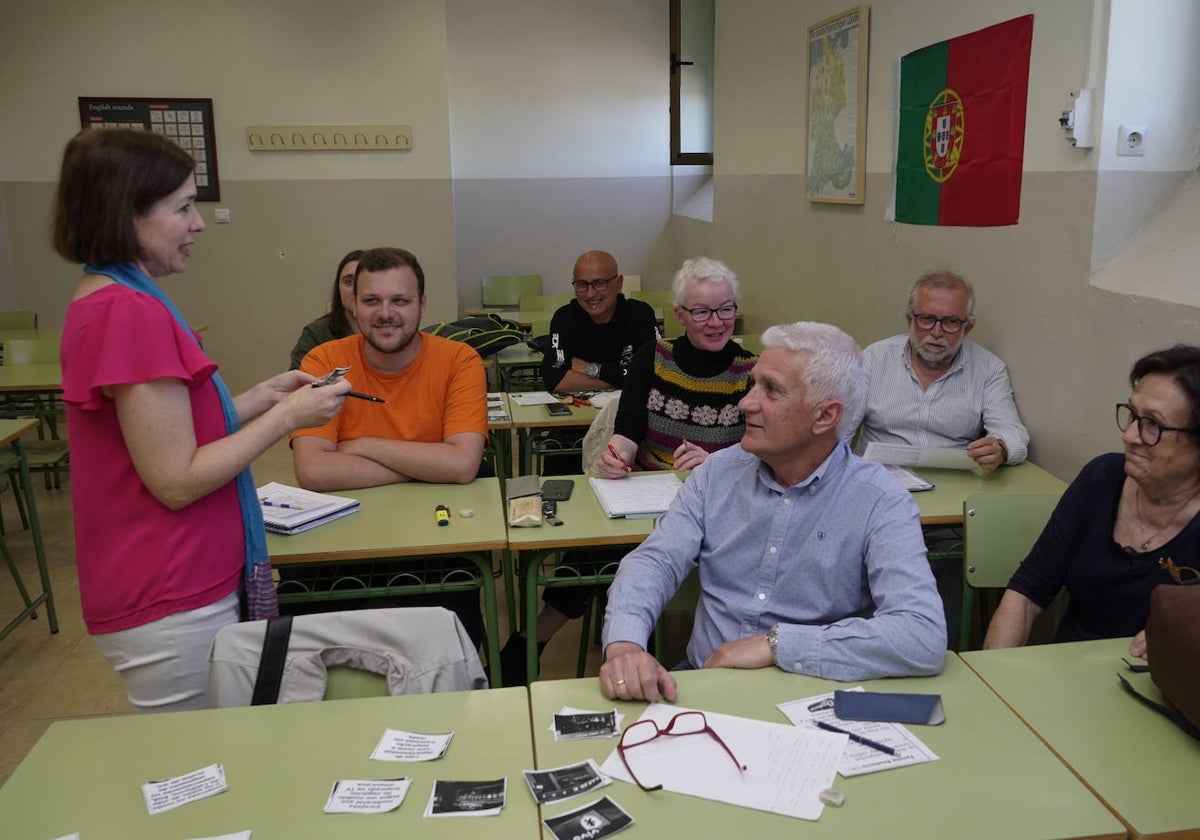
837	561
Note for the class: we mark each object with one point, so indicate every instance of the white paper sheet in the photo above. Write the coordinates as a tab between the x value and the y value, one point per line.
859	759
366	796
903	455
170	793
533	398
787	767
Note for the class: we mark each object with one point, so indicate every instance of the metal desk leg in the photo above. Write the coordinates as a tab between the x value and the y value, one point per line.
491	619
46	597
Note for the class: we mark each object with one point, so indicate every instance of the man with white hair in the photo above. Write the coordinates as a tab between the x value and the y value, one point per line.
810	558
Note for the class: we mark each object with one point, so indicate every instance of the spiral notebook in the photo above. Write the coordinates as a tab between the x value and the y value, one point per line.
638	496
290	510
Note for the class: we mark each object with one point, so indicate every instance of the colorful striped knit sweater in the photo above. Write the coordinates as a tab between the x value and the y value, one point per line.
676	392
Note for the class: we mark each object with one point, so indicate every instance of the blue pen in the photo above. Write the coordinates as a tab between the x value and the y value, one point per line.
266	503
858	739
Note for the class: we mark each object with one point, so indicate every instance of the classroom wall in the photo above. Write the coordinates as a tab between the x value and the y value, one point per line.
257	281
1069	345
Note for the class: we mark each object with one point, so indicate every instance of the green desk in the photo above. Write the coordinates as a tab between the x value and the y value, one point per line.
943	505
397	522
1139	763
10	434
528	420
32	378
280	763
517	362
584	526
994	779
500	441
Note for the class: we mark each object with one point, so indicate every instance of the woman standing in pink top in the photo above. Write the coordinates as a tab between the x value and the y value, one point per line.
167	523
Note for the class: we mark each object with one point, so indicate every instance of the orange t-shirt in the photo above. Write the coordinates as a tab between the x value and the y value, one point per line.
442	393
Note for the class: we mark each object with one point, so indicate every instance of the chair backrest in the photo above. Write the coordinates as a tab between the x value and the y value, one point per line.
507	289
31	351
415	650
658	298
631	283
543	303
18	319
999	531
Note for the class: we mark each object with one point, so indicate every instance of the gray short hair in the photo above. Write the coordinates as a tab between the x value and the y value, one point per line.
942	280
704	270
834	370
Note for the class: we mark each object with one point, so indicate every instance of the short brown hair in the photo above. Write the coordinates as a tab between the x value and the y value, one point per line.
109	177
1181	364
385	259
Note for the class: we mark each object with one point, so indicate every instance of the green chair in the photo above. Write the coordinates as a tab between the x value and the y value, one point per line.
18	319
506	290
31	351
543	303
999	530
657	298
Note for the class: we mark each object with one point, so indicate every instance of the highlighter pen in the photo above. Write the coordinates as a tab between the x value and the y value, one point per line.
359	396
617	455
858	739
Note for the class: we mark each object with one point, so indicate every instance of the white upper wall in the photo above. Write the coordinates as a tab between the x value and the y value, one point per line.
586	102
266	62
1153	79
761	53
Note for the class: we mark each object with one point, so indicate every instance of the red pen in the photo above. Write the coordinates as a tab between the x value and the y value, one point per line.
579	401
617	455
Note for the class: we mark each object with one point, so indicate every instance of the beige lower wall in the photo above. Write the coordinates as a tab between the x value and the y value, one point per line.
1069	345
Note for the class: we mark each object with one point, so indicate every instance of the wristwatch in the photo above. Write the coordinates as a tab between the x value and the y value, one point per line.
592	370
773	643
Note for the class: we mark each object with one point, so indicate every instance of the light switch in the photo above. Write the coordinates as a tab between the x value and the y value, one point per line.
221	215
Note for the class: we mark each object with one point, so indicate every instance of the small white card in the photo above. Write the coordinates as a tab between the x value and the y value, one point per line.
171	793
533	398
398	745
366	796
237	835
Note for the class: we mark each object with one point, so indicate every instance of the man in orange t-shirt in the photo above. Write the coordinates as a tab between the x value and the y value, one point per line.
432	423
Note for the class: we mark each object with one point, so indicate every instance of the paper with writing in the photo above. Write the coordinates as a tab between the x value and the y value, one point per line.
366	796
170	793
398	745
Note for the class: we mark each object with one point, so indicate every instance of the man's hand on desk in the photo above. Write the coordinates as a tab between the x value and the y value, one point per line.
750	653
988	452
629	673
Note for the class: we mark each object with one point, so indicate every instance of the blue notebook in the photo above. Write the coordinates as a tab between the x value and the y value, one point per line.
924	709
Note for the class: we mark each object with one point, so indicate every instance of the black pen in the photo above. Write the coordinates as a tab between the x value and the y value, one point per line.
858	739
363	396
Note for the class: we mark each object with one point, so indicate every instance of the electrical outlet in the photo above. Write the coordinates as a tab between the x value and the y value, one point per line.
1131	141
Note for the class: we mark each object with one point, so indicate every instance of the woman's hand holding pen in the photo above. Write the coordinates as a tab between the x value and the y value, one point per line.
688	456
315	406
616	460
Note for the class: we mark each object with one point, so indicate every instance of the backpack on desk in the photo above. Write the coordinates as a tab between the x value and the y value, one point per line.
488	334
1173	645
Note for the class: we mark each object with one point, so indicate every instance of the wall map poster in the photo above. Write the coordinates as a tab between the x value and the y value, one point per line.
835	151
188	122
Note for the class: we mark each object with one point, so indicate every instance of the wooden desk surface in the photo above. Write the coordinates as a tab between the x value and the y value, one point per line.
30	377
280	763
943	505
1137	761
994	779
398	521
10	430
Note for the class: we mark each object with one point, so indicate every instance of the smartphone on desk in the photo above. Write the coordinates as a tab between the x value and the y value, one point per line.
558	410
557	489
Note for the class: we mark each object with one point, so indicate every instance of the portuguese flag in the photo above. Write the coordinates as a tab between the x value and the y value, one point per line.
962	128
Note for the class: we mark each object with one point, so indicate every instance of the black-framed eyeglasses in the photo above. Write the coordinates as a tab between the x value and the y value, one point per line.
701	314
1149	429
950	323
1185	575
598	285
685	723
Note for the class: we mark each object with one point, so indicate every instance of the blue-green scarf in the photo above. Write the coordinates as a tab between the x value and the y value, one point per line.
259	599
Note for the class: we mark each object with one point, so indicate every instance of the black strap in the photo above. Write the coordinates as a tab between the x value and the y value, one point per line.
270	664
1168	711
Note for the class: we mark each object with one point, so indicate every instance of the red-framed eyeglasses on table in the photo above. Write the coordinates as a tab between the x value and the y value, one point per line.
685	723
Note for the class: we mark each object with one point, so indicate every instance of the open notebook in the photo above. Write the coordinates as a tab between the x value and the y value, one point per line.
638	496
290	510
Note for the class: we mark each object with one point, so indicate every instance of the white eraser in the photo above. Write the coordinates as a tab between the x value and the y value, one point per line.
467	513
833	797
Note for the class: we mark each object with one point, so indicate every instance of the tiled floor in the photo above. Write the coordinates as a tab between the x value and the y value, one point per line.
45	677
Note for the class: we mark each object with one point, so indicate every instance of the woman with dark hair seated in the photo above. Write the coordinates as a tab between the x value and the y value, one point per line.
1128	523
339	321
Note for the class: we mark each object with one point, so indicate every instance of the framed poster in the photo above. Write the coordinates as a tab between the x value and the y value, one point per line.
188	122
836	118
